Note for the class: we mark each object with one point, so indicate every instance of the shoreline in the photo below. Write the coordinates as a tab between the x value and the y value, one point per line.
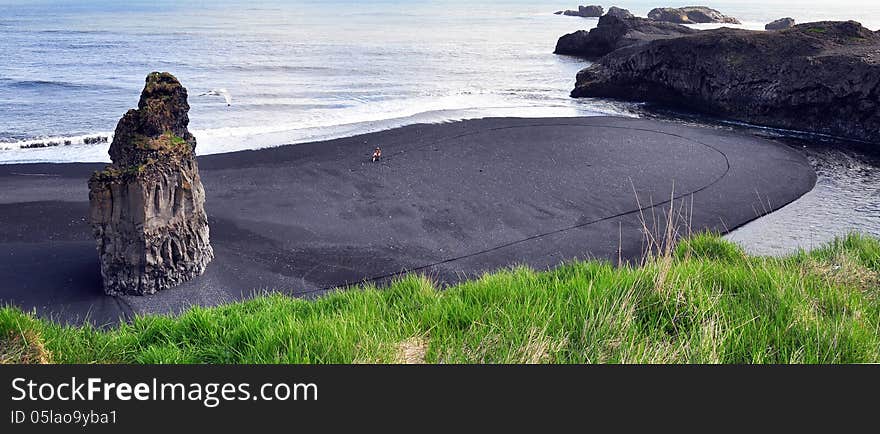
656	113
274	139
446	201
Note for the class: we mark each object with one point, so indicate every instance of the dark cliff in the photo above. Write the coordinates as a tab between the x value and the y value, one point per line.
818	77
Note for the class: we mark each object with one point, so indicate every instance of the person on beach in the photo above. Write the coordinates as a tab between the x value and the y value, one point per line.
377	154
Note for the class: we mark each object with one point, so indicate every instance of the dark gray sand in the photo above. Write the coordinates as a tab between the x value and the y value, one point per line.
448	200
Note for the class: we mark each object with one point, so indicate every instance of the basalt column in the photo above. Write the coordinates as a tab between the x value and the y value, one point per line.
147	207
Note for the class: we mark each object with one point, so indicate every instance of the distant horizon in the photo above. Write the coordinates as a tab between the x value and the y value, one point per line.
746	8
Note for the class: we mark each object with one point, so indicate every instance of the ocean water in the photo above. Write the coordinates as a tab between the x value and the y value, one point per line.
301	70
846	199
308	70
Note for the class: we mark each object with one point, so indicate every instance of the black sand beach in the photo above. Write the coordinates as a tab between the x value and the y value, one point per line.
449	200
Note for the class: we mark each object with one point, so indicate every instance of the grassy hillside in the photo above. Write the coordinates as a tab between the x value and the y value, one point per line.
706	302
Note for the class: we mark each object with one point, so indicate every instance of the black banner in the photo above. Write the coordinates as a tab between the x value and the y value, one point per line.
113	398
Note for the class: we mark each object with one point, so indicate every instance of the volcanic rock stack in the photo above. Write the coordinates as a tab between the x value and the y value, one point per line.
147	207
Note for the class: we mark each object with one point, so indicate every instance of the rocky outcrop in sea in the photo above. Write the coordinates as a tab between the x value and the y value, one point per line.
690	15
780	24
592	11
147	207
819	77
613	33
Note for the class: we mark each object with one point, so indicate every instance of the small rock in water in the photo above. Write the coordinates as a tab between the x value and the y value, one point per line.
147	207
690	15
592	11
780	24
95	140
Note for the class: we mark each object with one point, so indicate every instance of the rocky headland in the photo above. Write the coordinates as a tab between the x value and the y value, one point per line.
691	15
616	31
147	207
819	77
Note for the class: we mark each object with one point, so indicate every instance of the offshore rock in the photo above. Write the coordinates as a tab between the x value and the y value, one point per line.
780	24
592	11
147	207
817	77
690	15
613	33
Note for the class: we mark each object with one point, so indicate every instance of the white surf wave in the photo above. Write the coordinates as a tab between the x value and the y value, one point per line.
50	142
247	137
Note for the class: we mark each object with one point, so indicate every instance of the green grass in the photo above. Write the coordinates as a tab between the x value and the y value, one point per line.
706	302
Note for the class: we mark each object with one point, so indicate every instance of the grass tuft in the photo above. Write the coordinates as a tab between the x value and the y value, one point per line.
25	347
